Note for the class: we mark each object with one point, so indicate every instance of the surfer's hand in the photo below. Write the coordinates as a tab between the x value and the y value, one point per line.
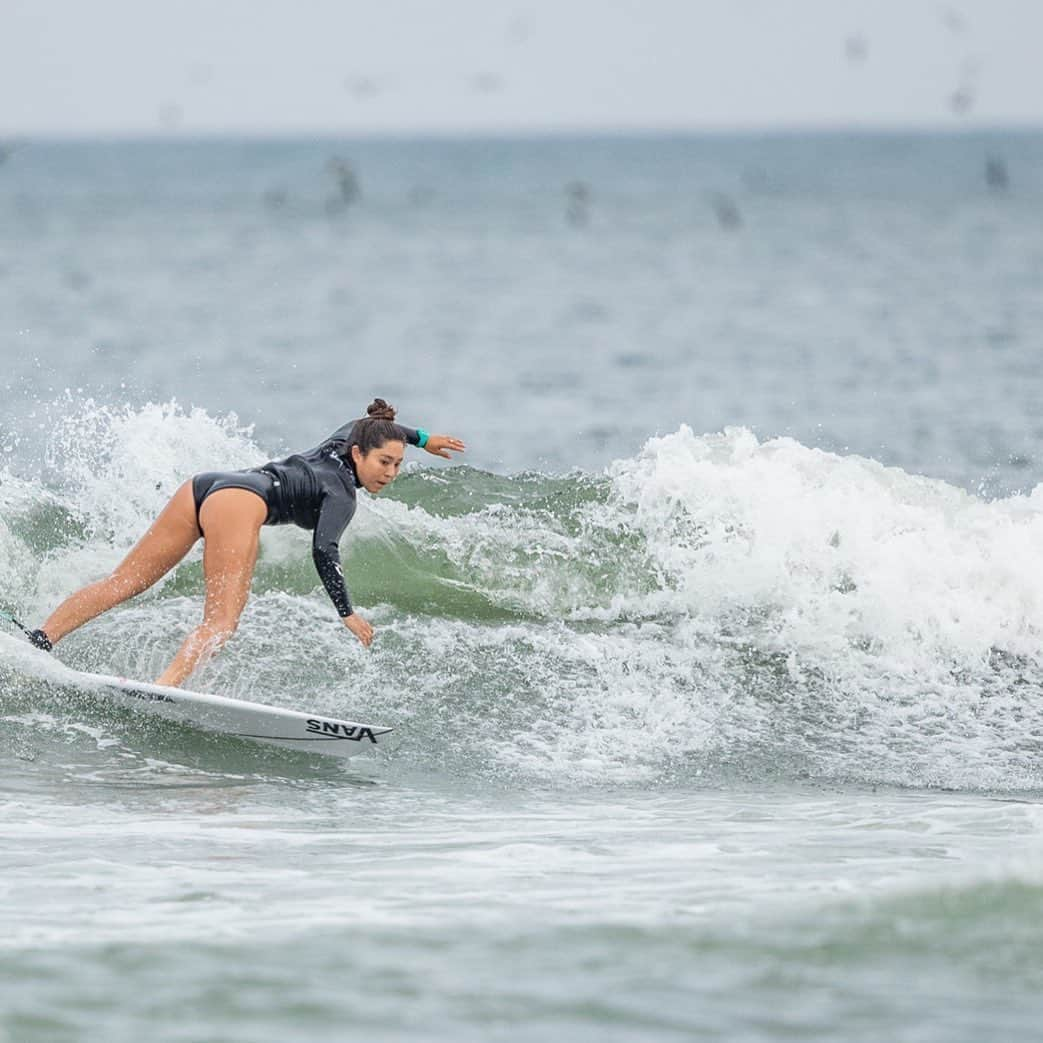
442	445
360	628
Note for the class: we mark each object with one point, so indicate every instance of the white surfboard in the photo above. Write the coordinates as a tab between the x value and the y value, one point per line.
290	729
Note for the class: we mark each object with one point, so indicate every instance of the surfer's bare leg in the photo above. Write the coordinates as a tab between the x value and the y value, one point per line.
171	536
231	521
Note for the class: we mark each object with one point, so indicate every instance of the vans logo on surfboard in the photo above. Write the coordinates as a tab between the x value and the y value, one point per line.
335	729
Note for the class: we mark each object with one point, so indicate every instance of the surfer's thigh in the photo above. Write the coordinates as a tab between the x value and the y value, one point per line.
231	520
170	537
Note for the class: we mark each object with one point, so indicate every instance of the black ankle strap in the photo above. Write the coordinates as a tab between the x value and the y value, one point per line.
41	640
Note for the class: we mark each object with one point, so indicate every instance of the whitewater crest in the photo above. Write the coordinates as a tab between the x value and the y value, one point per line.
837	550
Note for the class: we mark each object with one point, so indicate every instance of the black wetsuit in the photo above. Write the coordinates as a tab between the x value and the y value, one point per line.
315	490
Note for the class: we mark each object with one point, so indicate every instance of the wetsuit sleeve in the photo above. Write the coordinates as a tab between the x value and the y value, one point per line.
334	516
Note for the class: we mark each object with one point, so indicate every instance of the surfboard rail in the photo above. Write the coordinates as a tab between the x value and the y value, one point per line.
258	722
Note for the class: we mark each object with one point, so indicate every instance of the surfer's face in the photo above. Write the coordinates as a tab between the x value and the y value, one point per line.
379	467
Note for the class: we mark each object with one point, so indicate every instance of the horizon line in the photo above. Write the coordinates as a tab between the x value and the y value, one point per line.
548	131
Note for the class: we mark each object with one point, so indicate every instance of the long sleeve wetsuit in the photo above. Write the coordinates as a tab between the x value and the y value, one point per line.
315	490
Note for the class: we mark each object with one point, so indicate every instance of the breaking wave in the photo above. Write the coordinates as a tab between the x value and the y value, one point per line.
714	606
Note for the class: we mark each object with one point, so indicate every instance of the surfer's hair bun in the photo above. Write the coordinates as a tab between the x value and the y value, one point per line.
378	409
375	429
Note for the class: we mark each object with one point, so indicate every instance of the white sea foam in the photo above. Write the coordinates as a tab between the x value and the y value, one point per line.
110	470
841	551
119	464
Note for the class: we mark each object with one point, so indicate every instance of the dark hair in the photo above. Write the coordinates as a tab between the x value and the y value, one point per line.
375	428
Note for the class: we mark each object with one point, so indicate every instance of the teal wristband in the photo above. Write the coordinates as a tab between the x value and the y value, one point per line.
422	437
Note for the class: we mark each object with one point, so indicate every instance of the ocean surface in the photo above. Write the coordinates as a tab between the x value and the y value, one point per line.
715	666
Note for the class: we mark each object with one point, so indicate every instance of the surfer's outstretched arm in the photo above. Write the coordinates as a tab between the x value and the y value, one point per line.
333	519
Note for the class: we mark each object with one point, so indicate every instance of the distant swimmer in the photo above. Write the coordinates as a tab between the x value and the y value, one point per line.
315	490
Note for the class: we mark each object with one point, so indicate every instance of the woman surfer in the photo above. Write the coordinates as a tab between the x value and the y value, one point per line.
315	490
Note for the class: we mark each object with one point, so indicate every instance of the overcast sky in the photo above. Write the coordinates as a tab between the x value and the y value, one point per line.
272	66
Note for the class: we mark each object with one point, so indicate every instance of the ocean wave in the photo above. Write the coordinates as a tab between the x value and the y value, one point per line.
715	604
